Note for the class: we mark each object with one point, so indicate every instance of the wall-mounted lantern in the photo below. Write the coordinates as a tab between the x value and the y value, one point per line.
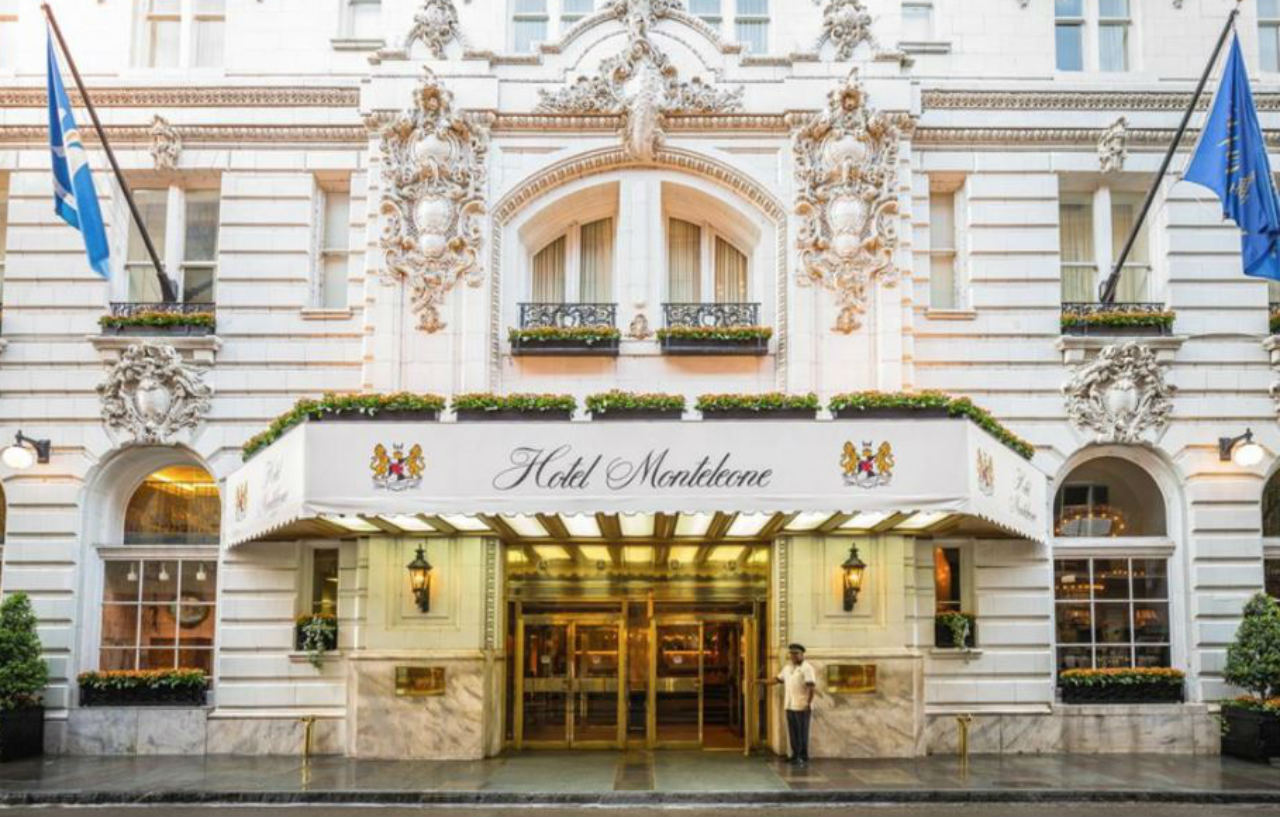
420	580
852	571
26	452
1242	450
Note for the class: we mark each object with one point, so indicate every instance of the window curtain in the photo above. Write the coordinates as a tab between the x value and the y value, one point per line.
1076	236
731	274
684	262
548	273
1135	278
595	281
942	251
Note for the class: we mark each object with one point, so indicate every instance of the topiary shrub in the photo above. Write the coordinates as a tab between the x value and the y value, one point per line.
1253	659
23	673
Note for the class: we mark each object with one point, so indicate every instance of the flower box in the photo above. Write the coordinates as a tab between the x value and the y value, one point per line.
177	687
21	733
866	405
172	330
402	406
1250	734
573	340
944	639
158	321
1121	685
624	415
393	415
890	413
1137	331
511	415
615	405
767	406
715	340
1131	320
522	408
330	640
753	414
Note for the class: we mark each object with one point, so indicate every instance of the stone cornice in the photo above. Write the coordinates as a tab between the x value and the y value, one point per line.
769	123
193	97
191	135
1151	139
1073	100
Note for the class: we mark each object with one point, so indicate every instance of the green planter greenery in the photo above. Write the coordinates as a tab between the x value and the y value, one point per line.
767	406
159	323
397	406
1152	323
485	406
622	405
23	677
1121	685
565	340
715	340
867	405
158	687
1251	723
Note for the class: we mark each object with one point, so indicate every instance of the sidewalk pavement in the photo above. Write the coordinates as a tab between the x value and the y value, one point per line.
636	778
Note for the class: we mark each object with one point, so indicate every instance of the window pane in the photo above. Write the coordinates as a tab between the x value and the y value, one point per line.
1071	579
162	43
195	625
1111	623
1076	231
1069	41
364	22
684	262
333	282
153	206
1075	658
1111	578
159	581
119	625
754	34
1271	577
1269	47
120	581
1151	656
324	581
109	660
946	579
337	219
1108	657
753	8
1268	8
176	505
942	281
530	6
208	39
196	659
1151	622
942	243
548	273
917	23
704	8
199	580
1068	8
1149	579
173	7
8	43
576	7
1074	624
197	284
595	284
1124	211
731	274
157	659
1113	47
1113	8
202	226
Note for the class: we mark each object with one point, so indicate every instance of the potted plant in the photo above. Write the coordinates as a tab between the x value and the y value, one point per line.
879	405
565	340
715	340
479	406
1152	322
1251	723
624	405
1273	321
23	676
1121	685
316	634
399	406
955	631
145	687
767	406
158	322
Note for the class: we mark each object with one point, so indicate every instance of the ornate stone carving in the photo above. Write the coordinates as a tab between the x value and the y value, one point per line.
640	84
846	161
639	328
847	24
436	25
1113	147
166	144
1120	395
152	394
433	176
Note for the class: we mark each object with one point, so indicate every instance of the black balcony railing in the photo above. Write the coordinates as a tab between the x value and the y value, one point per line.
709	315
568	316
128	309
566	329
1121	318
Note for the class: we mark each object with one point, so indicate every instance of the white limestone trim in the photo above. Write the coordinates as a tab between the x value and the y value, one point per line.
1105	547
312	313
1080	348
198	349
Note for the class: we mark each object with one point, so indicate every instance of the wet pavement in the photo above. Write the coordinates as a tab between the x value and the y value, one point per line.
934	810
636	778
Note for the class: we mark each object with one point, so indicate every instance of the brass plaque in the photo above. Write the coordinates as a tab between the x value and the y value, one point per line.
851	679
418	682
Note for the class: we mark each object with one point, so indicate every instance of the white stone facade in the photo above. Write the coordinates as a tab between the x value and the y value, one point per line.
699	128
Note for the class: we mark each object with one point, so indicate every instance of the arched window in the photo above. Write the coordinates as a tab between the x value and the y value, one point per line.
160	588
1111	611
708	248
1109	497
1271	530
576	267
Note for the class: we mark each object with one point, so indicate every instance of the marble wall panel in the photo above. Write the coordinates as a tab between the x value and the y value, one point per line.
886	723
273	736
445	727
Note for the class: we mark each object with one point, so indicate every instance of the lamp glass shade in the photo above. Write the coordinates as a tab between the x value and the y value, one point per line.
419	572
1248	454
853	569
18	457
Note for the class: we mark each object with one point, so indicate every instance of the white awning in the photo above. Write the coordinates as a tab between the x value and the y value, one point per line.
372	476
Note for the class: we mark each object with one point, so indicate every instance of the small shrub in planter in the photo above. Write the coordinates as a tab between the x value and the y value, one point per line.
316	634
1121	685
955	630
1273	321
159	323
23	676
487	406
623	405
147	687
866	405
1119	323
703	340
1251	723
397	406
770	405
595	340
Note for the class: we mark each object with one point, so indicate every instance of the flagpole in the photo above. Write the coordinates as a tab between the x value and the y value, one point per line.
166	285
1107	293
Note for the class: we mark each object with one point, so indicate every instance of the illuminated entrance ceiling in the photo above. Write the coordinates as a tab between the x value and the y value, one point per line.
586	529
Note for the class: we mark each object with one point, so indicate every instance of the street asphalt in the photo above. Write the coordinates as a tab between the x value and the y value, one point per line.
943	810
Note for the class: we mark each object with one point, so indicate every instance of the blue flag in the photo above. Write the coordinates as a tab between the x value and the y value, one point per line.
74	198
1231	160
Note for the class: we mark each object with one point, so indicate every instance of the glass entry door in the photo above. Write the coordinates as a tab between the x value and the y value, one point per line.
675	688
568	684
702	690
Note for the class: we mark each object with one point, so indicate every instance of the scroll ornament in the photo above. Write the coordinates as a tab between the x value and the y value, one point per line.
847	24
1120	395
433	180
436	25
152	394
846	169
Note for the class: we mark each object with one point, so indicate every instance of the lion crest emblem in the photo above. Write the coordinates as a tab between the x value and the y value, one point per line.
867	466
396	470
986	469
242	501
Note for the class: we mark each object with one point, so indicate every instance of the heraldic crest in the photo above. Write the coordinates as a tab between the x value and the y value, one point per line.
395	470
868	466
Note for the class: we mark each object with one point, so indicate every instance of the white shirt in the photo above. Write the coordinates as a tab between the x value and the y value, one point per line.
796	680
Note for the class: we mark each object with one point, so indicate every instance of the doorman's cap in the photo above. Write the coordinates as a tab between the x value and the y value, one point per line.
796	647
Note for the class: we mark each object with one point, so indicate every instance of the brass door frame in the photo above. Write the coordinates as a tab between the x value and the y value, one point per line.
651	719
573	686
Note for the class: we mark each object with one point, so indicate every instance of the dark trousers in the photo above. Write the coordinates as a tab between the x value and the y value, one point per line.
798	733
